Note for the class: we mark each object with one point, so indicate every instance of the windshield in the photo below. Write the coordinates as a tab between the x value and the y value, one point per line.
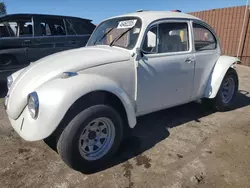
122	32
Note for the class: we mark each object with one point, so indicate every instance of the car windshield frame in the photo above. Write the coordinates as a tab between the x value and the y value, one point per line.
98	32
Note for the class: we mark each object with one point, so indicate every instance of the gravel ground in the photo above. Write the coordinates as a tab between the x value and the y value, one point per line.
183	147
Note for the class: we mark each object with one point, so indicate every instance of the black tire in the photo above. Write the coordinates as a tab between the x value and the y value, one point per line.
218	101
68	143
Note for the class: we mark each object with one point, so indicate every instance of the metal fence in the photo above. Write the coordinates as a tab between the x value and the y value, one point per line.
232	25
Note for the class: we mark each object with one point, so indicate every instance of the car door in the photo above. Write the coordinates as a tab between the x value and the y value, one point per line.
26	33
207	52
166	70
15	41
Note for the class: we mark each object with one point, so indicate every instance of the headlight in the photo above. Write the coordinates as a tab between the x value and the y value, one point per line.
33	104
9	81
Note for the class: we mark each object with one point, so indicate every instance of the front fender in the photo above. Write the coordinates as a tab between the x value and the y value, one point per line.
16	74
56	97
220	69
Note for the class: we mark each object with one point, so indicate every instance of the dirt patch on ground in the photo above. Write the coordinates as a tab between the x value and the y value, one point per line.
184	147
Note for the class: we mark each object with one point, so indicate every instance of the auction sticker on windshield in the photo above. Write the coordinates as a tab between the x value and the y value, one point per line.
126	24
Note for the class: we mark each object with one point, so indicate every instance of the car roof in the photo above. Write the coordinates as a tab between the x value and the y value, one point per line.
23	15
150	16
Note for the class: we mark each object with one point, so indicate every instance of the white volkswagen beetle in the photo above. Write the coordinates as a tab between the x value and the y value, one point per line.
133	65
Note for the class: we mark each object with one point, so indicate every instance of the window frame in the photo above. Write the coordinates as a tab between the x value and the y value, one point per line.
207	27
156	23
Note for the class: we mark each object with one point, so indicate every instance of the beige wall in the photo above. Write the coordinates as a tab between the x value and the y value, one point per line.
228	23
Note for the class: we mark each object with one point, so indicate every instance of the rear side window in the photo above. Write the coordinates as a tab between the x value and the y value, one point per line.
51	27
203	38
25	28
78	27
45	29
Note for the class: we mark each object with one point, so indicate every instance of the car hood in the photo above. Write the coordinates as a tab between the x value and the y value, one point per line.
51	67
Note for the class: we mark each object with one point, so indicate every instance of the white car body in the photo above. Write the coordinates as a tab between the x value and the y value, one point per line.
142	84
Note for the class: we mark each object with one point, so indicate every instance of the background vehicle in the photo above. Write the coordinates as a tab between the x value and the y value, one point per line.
25	38
133	65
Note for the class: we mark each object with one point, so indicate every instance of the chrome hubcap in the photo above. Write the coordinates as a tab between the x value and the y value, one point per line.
228	88
97	138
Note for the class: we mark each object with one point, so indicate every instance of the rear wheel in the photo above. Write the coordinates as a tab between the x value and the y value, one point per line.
91	138
228	89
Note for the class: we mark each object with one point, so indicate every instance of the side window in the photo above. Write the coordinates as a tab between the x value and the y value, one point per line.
70	27
8	29
203	38
17	28
45	29
25	27
60	29
150	41
173	37
52	27
76	27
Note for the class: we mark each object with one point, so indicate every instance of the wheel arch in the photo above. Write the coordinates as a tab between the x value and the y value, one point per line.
4	57
99	97
223	64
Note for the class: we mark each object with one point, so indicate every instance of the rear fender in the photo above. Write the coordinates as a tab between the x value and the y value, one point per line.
220	69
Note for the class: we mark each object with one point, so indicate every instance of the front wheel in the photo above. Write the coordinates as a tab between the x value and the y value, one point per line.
91	138
227	92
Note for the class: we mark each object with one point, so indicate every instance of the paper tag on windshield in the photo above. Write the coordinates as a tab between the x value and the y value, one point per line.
126	24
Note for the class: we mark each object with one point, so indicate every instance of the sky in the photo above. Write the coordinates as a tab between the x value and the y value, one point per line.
98	10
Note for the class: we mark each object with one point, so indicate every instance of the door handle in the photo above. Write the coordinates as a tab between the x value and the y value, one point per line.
189	60
27	41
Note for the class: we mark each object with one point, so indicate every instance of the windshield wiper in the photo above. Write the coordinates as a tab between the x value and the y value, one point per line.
120	36
105	34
